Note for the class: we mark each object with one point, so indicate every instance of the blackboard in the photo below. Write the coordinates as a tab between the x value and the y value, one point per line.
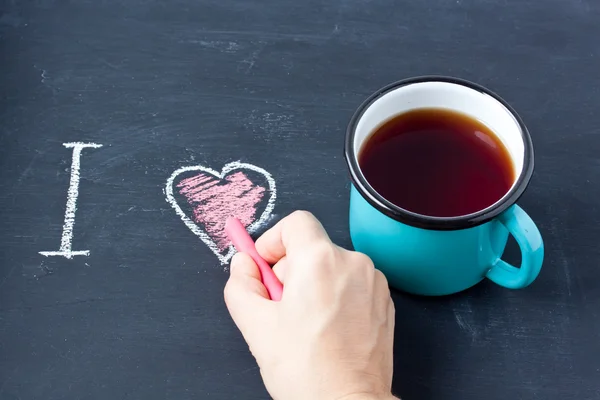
165	85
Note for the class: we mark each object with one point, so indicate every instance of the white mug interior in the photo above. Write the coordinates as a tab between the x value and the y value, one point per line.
451	96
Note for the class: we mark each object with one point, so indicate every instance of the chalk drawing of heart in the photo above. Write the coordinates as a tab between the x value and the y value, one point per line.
213	196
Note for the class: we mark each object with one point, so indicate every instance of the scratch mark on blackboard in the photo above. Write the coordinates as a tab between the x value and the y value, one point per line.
36	271
565	264
464	325
62	304
28	168
11	19
130	209
7	276
266	35
556	230
110	65
214	196
8	378
272	126
225	47
253	368
265	100
253	58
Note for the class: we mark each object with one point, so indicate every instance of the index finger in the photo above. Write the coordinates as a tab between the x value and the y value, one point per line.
292	234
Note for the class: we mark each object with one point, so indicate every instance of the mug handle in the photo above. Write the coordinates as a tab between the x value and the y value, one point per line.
528	237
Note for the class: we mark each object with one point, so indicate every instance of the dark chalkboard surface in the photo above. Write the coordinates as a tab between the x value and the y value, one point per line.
164	85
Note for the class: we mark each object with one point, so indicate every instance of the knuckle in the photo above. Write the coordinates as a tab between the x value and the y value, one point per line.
322	250
362	260
380	276
382	283
301	215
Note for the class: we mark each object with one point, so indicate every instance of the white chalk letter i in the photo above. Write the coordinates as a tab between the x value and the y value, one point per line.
65	249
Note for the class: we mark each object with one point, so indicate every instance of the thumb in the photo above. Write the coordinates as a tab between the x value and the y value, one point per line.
247	298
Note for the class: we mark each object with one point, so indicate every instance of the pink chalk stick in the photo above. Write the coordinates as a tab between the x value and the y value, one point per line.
244	243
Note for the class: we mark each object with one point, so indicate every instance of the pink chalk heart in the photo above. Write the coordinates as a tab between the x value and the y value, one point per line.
212	196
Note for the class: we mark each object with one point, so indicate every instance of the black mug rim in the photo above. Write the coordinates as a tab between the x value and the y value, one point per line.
424	221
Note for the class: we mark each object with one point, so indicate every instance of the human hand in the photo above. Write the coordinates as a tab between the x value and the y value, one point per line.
331	335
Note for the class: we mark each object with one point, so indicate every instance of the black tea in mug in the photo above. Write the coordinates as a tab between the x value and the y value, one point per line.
437	162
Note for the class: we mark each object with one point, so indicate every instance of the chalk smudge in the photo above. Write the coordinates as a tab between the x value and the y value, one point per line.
214	196
214	200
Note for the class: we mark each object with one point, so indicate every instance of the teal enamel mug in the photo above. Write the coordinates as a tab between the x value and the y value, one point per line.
432	255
